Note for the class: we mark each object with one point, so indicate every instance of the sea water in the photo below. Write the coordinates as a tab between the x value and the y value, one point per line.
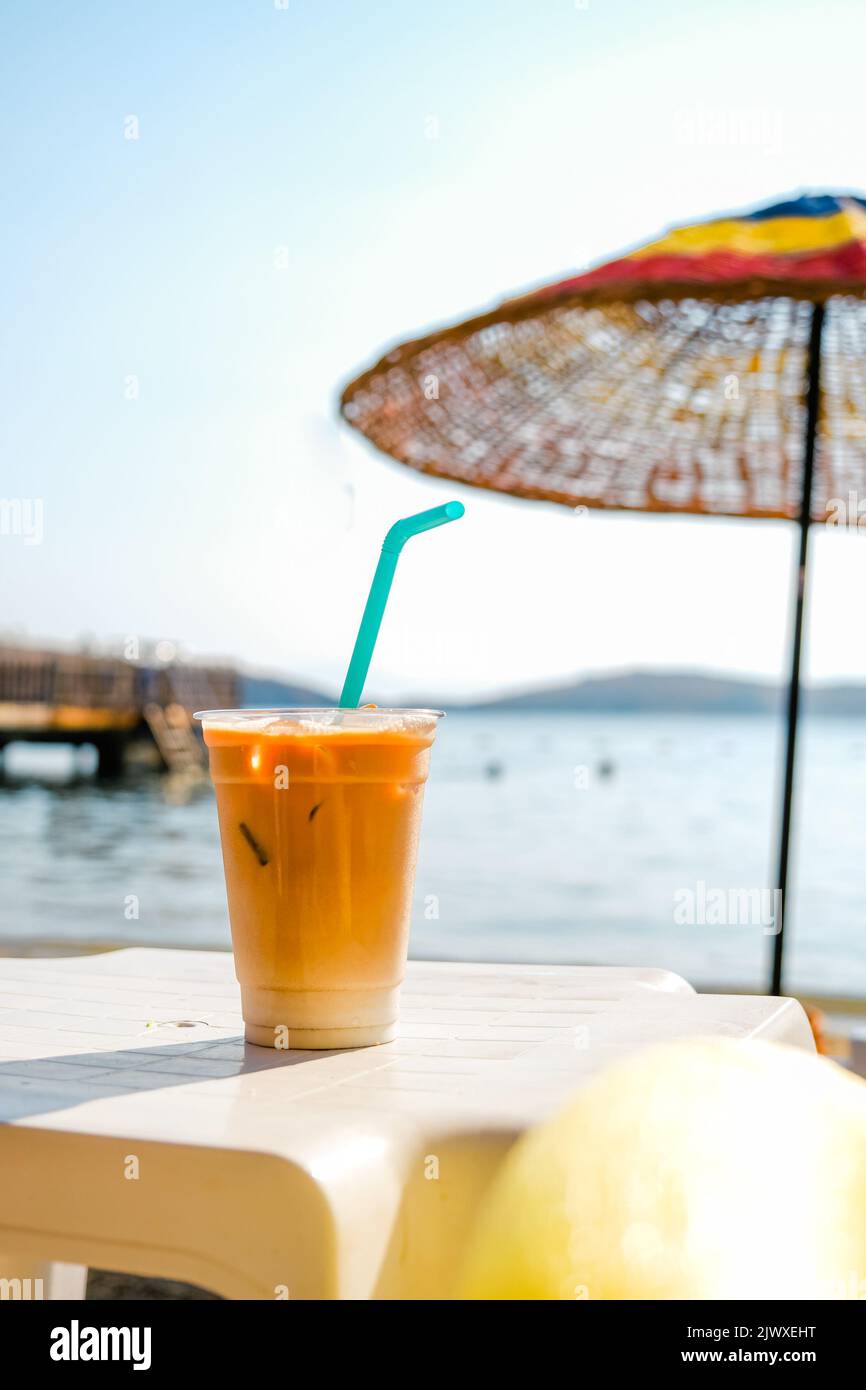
620	839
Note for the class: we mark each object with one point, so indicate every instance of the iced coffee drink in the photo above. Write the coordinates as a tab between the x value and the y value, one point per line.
320	814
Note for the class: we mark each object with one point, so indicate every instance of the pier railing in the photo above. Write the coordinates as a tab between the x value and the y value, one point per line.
108	683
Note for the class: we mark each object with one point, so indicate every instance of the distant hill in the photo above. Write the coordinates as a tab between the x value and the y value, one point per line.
837	701
268	692
651	692
633	692
672	692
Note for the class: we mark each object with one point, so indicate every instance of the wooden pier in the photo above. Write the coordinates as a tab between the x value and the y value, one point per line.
116	706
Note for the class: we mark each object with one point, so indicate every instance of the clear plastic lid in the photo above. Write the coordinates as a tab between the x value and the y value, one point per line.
321	720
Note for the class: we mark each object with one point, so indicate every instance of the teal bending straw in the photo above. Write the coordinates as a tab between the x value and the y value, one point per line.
380	589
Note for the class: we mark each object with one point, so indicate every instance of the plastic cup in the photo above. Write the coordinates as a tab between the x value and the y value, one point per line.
320	815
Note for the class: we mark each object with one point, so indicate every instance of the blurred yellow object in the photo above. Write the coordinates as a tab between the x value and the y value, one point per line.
703	1169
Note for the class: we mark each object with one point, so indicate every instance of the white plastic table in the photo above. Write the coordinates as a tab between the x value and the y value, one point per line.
140	1133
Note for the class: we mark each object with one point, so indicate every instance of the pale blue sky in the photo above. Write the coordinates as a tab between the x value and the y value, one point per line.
283	215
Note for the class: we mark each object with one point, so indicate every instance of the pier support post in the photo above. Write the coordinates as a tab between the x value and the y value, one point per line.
110	755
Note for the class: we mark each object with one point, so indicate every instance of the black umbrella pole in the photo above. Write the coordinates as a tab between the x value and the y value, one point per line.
813	398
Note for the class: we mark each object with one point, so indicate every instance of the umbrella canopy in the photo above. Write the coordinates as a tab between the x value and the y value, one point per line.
672	379
720	370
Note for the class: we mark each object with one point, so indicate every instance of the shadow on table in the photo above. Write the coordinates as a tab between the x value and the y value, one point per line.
37	1086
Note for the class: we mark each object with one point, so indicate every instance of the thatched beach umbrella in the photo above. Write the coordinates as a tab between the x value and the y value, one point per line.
719	371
